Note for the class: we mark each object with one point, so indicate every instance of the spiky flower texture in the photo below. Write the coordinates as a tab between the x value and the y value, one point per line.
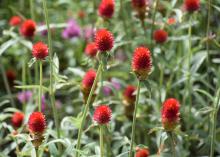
28	28
40	50
170	114
104	40
192	5
17	119
106	8
142	152
141	62
102	114
37	123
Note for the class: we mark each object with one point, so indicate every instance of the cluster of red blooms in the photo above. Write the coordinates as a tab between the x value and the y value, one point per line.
142	152
192	5
40	50
102	114
106	8
160	36
170	114
141	62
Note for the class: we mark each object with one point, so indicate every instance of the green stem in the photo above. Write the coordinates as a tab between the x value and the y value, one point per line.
101	141
32	9
172	144
207	32
213	122
52	92
41	85
134	120
152	26
7	87
86	108
37	153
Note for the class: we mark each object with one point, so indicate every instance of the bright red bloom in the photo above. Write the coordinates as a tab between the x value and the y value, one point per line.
141	62
88	79
170	114
129	94
40	50
106	8
11	76
142	152
37	123
104	40
192	5
139	4
160	36
91	49
15	21
102	114
28	28
171	21
17	119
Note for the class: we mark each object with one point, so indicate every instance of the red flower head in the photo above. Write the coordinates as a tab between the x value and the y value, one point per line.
142	152
139	4
102	114
160	36
141	62
191	5
11	76
171	21
28	28
40	50
91	49
17	119
88	80
15	21
37	123
104	40
106	8
129	94
170	114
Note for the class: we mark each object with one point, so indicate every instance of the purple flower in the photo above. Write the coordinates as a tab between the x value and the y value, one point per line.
72	30
115	84
24	97
88	33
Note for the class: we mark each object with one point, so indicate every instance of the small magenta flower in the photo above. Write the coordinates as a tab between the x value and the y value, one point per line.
17	119
104	40
15	21
192	5
141	62
28	28
72	30
160	36
40	50
106	8
24	97
102	114
142	152
170	114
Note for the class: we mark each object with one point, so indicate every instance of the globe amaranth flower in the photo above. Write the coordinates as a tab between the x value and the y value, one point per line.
129	100
141	7
141	62
40	50
28	28
142	152
160	36
192	5
170	114
11	76
24	97
15	21
104	40
106	8
72	30
37	122
102	114
17	119
91	49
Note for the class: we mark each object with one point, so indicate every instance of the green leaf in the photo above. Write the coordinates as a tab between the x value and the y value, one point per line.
7	44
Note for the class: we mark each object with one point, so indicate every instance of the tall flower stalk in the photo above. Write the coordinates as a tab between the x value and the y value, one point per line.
134	120
41	87
52	94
